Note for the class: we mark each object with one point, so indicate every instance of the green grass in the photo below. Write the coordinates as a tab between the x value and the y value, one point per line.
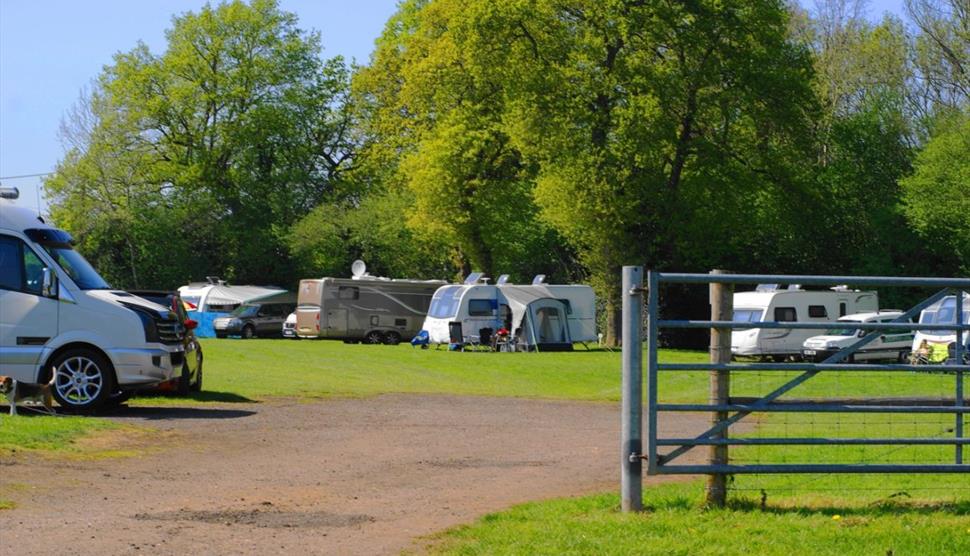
673	524
47	434
240	370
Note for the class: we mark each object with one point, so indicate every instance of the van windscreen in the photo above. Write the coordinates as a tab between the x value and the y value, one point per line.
77	268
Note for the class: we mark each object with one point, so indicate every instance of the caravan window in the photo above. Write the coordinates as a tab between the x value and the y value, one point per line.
817	311
481	307
747	315
444	304
348	292
786	314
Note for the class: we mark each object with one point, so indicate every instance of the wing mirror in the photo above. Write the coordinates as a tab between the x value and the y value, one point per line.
48	284
191	324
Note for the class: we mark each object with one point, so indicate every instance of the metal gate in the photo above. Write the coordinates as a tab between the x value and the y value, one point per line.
664	455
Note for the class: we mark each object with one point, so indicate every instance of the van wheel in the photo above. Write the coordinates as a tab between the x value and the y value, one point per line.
83	380
903	357
392	339
374	337
248	332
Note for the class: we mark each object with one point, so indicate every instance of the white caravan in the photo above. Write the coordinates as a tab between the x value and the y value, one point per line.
769	303
942	312
540	316
365	308
59	319
890	345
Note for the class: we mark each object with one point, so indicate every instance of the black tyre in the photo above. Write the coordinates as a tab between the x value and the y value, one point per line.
118	398
903	357
374	337
197	385
83	380
183	386
392	338
248	332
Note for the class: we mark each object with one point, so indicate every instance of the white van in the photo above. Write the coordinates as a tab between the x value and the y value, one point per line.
770	303
891	345
59	318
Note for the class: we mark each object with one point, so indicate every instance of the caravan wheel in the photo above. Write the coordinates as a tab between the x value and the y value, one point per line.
392	339
374	337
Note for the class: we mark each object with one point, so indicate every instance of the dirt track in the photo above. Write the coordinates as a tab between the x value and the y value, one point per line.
367	476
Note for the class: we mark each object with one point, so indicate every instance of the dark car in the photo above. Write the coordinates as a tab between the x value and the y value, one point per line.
190	380
250	320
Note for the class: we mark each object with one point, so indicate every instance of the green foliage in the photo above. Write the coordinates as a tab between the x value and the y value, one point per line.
937	195
212	149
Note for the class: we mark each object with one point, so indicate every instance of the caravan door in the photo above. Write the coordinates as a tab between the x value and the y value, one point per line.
336	323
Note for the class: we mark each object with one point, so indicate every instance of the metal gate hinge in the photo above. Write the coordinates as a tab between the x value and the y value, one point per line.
634	457
637	291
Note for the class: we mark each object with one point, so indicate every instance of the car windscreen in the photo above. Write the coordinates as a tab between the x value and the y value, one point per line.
246	311
444	304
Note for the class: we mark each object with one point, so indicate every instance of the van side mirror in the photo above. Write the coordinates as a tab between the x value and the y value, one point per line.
48	285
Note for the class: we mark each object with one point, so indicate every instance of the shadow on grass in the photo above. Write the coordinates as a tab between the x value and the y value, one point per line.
204	396
174	412
894	505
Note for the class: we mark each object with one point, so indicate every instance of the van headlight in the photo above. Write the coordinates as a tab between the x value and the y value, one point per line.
147	322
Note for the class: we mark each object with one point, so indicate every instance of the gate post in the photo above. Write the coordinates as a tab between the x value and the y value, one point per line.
722	309
631	444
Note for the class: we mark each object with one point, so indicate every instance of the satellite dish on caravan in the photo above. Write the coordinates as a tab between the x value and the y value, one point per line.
358	268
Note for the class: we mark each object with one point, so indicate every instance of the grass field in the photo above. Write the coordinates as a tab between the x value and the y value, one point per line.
45	433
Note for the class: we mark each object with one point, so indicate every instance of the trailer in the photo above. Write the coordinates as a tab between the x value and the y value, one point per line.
364	308
540	316
793	304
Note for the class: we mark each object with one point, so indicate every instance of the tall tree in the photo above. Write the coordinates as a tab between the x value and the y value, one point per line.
210	150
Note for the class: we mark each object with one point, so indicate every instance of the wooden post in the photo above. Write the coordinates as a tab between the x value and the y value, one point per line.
722	309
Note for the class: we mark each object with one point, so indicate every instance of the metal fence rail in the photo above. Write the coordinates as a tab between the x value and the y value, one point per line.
727	411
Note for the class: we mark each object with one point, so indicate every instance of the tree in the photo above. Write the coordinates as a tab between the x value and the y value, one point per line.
198	160
437	133
654	126
937	195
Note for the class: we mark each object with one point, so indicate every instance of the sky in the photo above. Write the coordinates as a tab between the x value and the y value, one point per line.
51	49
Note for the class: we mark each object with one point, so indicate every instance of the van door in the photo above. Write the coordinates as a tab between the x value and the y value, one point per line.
28	320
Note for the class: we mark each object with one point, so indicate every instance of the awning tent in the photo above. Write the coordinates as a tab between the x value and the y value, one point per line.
237	295
538	318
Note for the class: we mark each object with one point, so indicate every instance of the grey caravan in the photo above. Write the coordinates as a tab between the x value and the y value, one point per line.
363	309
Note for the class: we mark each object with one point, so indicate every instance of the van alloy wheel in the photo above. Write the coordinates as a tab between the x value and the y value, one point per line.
374	337
82	380
392	339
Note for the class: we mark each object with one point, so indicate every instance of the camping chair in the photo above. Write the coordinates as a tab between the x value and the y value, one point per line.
934	353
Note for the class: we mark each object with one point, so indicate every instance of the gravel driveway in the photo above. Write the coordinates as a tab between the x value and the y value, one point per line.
358	476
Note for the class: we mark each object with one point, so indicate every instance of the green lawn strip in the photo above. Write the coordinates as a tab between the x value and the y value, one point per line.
47	434
674	523
7	505
240	370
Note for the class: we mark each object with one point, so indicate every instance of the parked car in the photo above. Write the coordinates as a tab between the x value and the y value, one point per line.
250	320
190	377
891	345
289	327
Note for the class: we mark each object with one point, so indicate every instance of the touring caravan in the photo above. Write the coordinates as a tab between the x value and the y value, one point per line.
59	317
365	308
793	304
539	316
942	312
